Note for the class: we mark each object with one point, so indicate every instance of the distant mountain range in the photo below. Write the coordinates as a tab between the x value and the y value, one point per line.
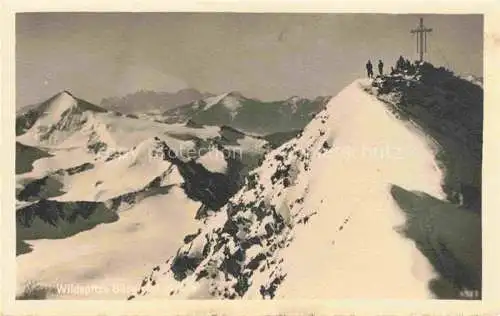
230	109
147	100
248	115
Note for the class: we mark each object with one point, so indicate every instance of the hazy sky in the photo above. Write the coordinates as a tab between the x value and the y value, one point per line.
267	56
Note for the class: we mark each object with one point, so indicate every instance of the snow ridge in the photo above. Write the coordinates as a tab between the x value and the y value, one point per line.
267	239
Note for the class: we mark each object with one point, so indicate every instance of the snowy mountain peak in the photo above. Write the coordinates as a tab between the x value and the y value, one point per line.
293	99
211	101
230	100
62	102
293	102
235	94
55	119
68	92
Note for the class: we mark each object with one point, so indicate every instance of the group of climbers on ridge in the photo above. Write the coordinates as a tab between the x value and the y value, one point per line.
401	65
369	68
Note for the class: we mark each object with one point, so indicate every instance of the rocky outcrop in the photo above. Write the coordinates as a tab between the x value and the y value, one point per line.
450	109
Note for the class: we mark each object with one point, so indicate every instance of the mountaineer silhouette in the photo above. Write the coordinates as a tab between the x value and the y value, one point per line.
369	69
380	67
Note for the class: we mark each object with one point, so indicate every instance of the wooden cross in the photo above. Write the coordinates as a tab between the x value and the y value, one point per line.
421	31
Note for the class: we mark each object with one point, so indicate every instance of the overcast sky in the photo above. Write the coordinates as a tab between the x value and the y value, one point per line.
266	56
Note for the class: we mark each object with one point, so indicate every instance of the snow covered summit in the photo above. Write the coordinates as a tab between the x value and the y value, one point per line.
354	207
54	120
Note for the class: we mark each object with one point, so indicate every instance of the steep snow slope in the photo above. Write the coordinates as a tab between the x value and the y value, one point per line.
354	191
321	217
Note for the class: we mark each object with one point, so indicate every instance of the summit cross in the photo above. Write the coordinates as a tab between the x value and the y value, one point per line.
421	32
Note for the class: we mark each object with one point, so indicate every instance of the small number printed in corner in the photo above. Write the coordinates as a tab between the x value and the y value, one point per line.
470	294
